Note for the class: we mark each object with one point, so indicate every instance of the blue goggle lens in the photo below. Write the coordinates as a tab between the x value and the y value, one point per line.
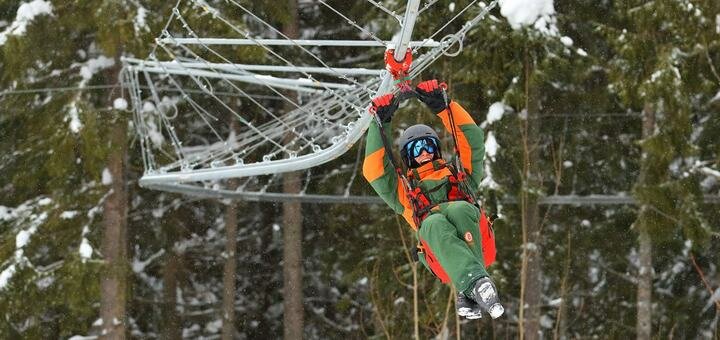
415	148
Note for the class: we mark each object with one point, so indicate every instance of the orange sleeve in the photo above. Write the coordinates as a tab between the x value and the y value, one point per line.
460	118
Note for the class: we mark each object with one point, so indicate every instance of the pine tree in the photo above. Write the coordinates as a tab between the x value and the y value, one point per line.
654	51
56	147
63	169
536	73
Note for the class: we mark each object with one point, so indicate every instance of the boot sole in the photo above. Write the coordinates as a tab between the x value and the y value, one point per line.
488	297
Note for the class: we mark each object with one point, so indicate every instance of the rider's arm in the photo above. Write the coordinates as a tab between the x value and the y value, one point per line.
380	173
470	140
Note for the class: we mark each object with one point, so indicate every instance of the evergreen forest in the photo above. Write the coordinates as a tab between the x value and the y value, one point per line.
602	163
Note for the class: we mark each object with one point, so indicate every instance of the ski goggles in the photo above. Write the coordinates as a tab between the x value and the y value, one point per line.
416	147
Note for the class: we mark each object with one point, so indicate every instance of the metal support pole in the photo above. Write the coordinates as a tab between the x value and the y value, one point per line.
261	68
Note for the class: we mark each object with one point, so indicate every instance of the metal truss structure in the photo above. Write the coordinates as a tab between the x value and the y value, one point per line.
214	125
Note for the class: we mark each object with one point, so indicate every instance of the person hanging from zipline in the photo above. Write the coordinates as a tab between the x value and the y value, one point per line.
437	198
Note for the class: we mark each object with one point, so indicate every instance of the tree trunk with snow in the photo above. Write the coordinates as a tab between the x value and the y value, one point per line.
531	269
292	261
292	228
229	271
114	282
644	295
171	320
561	323
645	275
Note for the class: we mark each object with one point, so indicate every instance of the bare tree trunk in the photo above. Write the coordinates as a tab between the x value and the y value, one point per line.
645	276
292	229
402	229
229	271
230	266
444	333
416	312
292	261
114	240
171	320
561	322
531	269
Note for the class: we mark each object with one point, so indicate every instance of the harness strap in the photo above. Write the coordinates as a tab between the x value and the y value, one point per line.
461	180
420	198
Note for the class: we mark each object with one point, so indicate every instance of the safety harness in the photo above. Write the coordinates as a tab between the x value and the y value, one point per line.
421	199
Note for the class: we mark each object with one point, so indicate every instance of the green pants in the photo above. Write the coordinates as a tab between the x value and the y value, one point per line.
452	234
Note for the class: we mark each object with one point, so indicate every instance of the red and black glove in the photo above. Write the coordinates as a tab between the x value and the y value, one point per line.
430	93
385	107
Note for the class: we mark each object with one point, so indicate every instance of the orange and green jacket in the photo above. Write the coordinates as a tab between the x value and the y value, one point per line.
379	171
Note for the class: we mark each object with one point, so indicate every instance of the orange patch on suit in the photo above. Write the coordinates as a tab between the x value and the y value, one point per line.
374	166
468	237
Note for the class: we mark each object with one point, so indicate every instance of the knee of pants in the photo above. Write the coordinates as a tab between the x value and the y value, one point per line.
459	208
434	224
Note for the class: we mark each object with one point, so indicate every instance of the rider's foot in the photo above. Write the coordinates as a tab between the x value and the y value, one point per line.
486	295
467	307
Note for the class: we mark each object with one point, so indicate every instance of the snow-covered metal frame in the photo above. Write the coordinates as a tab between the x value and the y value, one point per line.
297	42
203	169
200	170
148	65
281	165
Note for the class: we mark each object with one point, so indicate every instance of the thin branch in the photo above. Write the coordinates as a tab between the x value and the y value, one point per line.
559	329
625	277
406	251
557	157
375	299
447	309
402	238
710	62
399	279
704	281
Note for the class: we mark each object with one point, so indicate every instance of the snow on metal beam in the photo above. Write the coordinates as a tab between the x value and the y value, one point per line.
305	161
288	42
247	67
291	84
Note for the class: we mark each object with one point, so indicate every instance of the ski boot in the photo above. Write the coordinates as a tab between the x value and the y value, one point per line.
486	296
467	307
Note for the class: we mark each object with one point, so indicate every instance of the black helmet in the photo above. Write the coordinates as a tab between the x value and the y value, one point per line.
414	133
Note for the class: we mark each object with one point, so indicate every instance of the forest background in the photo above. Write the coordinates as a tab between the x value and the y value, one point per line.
617	98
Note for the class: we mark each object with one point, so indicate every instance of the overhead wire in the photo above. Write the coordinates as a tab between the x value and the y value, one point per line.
108	86
311	54
310	114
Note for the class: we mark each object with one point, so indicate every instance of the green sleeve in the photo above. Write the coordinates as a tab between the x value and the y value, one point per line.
378	170
476	138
